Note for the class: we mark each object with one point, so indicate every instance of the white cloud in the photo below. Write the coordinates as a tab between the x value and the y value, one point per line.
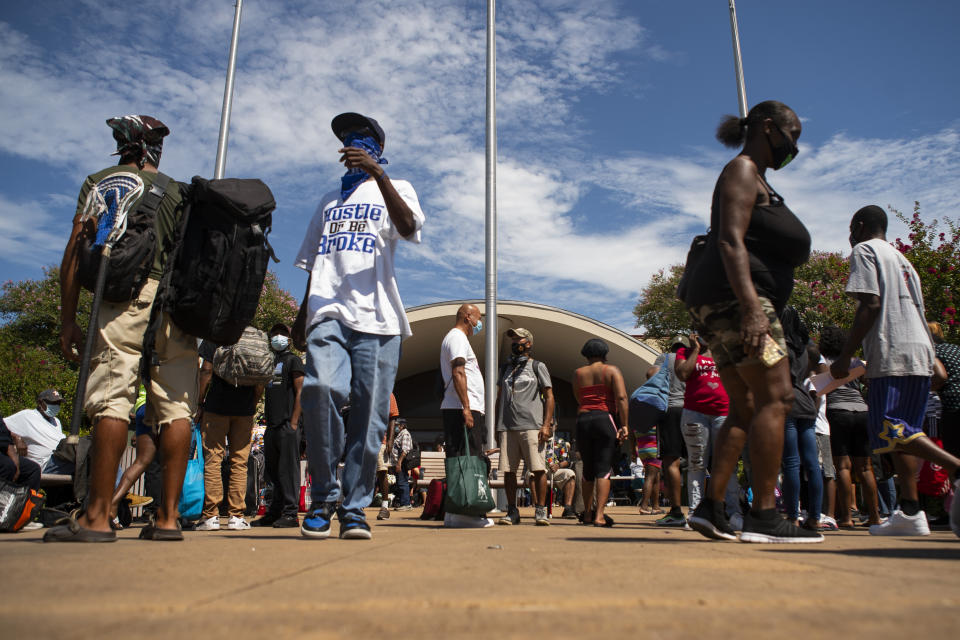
576	230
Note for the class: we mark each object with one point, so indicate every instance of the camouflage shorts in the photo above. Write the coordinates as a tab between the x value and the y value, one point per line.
719	325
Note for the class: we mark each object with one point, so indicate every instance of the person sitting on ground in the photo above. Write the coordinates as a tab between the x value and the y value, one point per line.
901	361
41	431
15	466
600	395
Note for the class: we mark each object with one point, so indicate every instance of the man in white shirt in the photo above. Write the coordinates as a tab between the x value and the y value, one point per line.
890	321
40	430
351	323
463	397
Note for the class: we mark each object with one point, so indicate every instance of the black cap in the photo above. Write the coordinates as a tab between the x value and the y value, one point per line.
278	329
50	396
346	121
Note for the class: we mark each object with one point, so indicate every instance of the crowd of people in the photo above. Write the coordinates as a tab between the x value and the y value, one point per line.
739	404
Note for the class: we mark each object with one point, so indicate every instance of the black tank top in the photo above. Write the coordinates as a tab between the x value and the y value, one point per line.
777	243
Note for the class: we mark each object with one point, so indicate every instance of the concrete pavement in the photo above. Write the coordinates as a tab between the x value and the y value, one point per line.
418	580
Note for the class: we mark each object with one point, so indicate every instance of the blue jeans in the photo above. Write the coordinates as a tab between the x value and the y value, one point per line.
345	364
800	448
403	487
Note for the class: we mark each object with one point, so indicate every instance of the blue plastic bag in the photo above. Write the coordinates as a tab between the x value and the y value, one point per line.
191	496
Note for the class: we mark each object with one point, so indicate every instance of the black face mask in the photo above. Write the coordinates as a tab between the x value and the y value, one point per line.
517	349
784	152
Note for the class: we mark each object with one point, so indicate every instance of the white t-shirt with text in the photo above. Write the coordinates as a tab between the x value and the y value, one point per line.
349	251
455	345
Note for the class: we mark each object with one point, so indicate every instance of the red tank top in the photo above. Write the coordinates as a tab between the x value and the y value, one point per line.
597	397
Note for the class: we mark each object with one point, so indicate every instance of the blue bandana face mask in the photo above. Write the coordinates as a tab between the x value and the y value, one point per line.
354	177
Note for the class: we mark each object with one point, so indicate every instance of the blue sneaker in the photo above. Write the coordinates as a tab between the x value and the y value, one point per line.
354	529
316	524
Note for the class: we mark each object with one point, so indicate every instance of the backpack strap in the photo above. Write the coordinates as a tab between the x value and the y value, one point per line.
151	200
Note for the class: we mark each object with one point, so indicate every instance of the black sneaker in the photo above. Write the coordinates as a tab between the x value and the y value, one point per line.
568	514
265	521
512	517
286	522
770	527
709	520
355	529
316	524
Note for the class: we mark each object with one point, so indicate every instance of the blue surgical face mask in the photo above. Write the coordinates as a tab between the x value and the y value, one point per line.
52	410
279	343
477	328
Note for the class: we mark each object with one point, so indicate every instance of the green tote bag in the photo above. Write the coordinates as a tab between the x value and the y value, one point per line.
468	491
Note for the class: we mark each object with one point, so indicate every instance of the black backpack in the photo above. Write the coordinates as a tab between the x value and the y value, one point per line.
220	259
132	256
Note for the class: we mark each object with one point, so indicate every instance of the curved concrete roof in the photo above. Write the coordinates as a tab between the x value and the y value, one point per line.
558	336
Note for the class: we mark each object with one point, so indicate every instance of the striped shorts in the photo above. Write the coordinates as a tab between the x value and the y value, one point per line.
897	405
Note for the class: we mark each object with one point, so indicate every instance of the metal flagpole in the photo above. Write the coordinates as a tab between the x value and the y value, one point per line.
227	98
492	336
737	61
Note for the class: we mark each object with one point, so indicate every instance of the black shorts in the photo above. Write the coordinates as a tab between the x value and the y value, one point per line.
453	433
669	436
597	444
849	434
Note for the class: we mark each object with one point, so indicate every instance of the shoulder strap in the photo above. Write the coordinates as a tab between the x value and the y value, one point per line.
154	196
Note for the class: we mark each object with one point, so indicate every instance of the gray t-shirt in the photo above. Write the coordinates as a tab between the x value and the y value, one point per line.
898	343
677	386
521	407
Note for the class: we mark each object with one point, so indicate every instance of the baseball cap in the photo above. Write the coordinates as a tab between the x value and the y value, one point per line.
346	121
280	329
50	396
520	332
678	339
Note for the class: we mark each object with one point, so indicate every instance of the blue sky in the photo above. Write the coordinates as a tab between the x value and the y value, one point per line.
606	120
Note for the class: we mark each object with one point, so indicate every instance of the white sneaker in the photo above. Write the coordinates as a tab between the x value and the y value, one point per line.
736	522
33	526
237	523
900	524
458	521
210	524
955	509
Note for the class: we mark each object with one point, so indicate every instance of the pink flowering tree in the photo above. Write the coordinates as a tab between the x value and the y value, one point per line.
934	250
276	305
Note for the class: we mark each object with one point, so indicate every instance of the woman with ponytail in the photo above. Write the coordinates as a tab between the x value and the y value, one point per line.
735	295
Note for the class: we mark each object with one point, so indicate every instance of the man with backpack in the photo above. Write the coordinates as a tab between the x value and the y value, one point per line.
226	421
524	418
131	188
351	323
281	440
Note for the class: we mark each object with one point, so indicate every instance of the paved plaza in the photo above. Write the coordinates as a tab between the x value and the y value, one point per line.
416	580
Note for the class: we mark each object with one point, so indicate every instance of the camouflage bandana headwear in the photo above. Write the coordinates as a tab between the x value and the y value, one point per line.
139	139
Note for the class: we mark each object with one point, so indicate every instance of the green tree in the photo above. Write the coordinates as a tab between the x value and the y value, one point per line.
818	291
276	305
658	311
30	359
934	252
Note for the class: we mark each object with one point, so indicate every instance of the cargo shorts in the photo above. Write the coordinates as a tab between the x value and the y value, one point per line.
115	364
719	325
